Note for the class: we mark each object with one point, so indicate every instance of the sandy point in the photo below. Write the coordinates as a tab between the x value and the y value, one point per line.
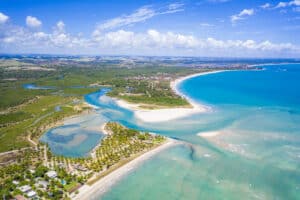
167	114
209	134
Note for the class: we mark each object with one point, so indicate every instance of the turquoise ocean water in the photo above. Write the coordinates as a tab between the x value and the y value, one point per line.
255	156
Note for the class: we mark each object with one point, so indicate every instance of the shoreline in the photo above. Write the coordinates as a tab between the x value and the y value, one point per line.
167	114
174	84
93	151
271	64
100	187
58	123
104	184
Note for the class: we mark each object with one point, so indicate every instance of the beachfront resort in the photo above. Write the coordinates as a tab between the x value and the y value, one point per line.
42	175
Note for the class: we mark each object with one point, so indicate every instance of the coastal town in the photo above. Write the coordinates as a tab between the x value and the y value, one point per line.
42	175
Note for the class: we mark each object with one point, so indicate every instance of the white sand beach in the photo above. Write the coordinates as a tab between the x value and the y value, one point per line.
104	184
209	134
105	132
99	128
160	115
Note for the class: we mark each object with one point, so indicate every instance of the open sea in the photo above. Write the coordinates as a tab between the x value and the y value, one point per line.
256	154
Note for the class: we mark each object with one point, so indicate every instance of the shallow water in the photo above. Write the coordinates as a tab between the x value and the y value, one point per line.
256	156
77	137
31	86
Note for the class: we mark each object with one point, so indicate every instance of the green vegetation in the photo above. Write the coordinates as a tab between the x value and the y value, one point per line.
69	187
33	119
32	166
13	117
28	113
30	172
120	144
153	90
14	95
148	93
140	78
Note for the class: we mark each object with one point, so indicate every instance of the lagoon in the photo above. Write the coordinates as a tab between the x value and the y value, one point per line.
256	154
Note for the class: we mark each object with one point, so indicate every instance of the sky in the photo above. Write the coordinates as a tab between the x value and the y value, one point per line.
205	28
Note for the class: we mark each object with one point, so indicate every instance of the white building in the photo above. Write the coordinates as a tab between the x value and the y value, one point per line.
25	188
15	182
31	194
43	184
51	174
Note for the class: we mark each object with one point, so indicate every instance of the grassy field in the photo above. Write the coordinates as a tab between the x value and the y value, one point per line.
13	117
64	80
32	119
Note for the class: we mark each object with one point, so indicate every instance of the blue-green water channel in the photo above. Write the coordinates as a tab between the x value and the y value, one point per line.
255	156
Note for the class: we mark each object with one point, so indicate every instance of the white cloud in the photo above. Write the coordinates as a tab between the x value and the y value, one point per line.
9	39
206	25
171	40
241	15
282	5
40	35
152	39
61	38
3	18
119	38
297	9
295	2
218	1
265	6
286	4
33	22
17	39
246	12
60	27
140	15
175	6
165	43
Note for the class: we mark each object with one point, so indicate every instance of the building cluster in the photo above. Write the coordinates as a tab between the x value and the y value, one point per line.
158	77
28	192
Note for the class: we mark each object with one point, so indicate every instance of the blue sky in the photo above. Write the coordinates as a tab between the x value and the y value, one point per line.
222	28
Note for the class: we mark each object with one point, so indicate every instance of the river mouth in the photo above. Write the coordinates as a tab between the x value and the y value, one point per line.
254	125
